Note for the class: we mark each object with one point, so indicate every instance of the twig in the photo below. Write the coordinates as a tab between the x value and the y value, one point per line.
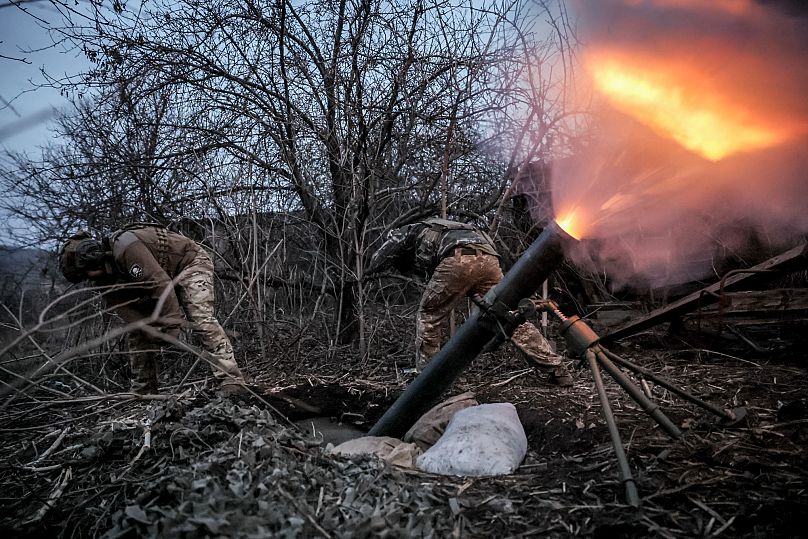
708	510
41	469
512	378
729	522
304	513
51	449
55	494
146	445
146	441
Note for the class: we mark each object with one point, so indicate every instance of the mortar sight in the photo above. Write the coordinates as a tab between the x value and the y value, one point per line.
483	330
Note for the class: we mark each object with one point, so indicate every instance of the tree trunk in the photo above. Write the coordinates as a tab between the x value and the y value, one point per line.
347	321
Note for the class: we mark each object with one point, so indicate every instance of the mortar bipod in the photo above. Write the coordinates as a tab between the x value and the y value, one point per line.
580	338
582	341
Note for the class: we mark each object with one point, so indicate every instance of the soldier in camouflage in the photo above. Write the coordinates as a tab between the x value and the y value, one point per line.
145	266
458	261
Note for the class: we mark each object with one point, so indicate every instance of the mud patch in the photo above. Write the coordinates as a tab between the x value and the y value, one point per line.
326	430
353	405
547	434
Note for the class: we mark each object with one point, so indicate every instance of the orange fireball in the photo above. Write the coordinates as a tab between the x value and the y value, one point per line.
571	223
683	104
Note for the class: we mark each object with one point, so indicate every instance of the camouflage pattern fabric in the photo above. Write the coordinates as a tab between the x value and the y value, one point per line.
143	361
455	277
416	249
148	260
194	288
441	236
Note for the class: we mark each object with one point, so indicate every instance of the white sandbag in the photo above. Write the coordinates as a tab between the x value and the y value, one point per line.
482	440
389	449
431	426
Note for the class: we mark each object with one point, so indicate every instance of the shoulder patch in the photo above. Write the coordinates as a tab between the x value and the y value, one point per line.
136	271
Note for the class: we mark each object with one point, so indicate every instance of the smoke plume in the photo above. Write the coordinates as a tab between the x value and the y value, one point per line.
699	142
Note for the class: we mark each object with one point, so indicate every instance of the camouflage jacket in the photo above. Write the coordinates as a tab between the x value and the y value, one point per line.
145	260
419	247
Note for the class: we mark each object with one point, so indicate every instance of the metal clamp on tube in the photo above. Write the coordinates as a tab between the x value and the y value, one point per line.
579	336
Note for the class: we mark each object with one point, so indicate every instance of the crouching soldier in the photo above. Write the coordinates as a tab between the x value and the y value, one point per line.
138	263
458	260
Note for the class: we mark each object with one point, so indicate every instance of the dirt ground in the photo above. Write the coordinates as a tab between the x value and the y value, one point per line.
216	466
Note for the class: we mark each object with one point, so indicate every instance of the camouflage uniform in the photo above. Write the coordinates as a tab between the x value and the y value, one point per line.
459	261
146	260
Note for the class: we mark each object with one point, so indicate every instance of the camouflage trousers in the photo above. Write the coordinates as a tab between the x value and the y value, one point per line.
194	288
458	276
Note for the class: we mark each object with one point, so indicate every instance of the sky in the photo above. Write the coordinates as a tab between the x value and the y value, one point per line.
25	109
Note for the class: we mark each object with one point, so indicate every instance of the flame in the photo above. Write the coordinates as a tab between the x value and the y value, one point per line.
734	7
681	103
571	223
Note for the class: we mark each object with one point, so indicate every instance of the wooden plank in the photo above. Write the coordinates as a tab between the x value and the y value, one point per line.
791	260
780	300
775	322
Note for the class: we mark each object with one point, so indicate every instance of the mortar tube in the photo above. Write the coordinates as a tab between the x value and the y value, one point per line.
541	259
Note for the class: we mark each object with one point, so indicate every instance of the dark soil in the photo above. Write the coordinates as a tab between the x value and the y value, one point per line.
239	467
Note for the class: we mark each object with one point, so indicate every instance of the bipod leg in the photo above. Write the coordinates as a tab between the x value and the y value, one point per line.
730	416
632	497
648	406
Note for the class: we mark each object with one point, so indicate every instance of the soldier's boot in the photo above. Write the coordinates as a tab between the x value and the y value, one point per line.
423	355
557	373
539	354
231	383
144	373
560	376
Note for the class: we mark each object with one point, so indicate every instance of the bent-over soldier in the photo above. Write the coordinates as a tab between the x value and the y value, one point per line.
457	260
139	263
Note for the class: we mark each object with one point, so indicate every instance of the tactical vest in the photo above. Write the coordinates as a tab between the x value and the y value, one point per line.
437	237
124	240
135	226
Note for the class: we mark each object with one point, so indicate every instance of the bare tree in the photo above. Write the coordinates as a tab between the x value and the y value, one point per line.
356	115
116	161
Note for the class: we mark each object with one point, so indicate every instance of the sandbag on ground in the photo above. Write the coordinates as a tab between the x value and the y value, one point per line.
389	449
482	440
431	426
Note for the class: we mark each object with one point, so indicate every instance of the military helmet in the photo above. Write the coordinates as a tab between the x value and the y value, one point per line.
80	253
